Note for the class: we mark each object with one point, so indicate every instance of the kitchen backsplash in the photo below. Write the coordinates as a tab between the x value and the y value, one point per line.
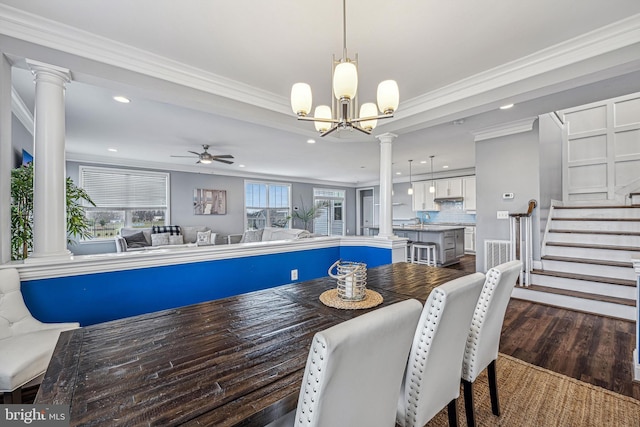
450	212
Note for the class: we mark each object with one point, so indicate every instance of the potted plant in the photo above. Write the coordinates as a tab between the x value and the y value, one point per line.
307	216
22	212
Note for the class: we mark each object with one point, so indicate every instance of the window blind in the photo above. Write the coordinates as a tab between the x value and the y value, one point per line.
120	188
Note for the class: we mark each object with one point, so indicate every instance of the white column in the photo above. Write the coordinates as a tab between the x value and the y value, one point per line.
6	159
49	189
386	185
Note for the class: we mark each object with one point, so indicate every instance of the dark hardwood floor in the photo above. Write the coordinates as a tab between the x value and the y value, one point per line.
591	348
594	349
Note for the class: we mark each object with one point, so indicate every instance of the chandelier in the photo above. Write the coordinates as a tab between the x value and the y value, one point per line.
341	114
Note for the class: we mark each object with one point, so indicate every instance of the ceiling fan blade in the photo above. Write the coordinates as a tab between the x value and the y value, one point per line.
198	161
197	154
223	161
224	156
191	157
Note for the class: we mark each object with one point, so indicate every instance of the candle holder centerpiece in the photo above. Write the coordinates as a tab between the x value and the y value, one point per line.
352	279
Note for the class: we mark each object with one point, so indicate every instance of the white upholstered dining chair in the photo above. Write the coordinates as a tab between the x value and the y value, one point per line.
354	370
481	350
26	344
432	376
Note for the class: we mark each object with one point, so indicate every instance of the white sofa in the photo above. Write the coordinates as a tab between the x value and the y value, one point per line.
189	237
269	234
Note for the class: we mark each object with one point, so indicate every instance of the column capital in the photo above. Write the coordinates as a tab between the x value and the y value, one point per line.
387	137
40	69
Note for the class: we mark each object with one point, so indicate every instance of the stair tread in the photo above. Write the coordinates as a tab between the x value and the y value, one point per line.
597	219
613	233
583	295
593	246
588	261
598	207
599	279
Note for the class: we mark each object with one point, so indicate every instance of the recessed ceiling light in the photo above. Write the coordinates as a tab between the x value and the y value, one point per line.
398	173
506	107
424	162
311	141
122	99
445	167
241	166
113	150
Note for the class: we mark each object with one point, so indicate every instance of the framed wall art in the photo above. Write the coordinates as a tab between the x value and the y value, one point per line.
209	202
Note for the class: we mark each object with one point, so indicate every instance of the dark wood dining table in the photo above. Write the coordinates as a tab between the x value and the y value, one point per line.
237	361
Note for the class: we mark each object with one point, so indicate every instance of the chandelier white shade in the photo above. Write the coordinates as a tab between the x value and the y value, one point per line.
340	115
368	109
301	98
322	112
388	96
345	80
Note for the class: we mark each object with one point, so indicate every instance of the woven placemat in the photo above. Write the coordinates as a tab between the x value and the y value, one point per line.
331	299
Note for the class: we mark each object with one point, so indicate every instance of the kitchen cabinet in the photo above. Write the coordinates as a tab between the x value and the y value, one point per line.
470	240
451	187
422	198
469	193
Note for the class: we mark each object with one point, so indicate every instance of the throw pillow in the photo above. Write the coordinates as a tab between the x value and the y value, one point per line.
252	236
191	233
203	238
171	229
159	239
136	240
176	240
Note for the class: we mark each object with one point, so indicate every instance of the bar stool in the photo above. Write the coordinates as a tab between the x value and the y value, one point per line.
426	248
409	250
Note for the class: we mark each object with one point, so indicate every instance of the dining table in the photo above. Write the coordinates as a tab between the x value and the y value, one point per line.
236	361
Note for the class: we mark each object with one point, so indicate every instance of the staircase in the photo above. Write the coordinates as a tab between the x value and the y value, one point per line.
586	261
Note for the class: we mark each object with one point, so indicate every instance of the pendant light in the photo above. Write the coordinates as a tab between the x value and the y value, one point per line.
410	190
341	114
432	188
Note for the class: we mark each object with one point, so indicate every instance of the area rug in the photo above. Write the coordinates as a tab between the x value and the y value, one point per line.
534	396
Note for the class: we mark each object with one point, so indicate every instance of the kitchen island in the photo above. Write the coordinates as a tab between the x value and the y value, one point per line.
449	239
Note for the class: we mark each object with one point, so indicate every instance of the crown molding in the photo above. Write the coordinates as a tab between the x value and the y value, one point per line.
45	32
612	37
519	126
42	31
21	111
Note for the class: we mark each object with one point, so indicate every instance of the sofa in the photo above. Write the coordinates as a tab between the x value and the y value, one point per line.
160	237
269	234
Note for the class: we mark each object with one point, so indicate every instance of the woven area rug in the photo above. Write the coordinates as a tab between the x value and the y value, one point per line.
534	396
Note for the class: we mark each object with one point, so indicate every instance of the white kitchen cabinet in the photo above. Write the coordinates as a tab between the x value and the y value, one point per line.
470	240
469	187
422	198
451	187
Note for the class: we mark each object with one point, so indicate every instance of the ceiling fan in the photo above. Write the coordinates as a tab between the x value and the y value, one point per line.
206	157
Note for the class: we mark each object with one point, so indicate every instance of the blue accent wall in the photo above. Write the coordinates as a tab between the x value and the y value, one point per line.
100	297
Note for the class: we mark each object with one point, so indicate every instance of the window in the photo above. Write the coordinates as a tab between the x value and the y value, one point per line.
267	205
124	198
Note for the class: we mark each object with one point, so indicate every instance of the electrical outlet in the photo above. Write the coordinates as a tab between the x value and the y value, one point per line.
503	215
294	274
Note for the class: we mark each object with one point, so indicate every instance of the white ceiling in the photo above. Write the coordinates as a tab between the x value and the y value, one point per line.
220	73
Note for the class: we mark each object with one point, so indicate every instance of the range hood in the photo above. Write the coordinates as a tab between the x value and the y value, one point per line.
448	199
